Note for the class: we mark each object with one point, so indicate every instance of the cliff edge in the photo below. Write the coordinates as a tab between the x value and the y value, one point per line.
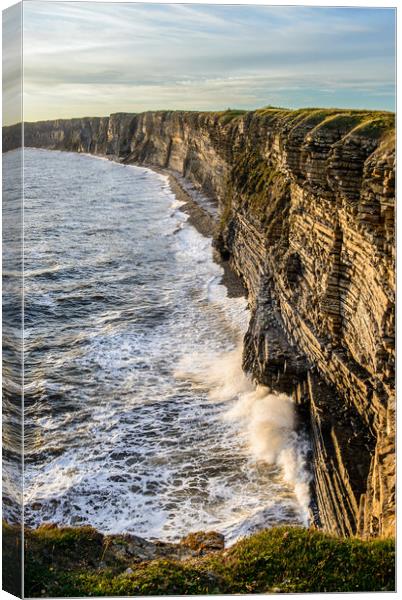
306	202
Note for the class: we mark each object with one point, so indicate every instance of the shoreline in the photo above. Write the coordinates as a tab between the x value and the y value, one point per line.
205	223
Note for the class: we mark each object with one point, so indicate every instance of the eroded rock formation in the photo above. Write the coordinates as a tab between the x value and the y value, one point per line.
306	202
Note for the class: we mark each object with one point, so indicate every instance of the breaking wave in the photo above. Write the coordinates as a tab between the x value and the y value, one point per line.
268	417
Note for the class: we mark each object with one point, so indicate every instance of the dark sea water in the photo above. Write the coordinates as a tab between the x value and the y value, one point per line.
138	417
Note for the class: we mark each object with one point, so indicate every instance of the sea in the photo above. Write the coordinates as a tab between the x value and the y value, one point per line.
138	417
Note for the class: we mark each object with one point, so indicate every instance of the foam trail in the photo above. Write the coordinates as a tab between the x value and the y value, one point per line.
268	417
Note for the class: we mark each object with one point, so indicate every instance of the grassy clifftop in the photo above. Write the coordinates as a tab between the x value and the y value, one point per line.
83	562
369	123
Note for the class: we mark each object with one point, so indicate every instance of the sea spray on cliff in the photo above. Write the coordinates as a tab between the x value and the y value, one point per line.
270	421
268	417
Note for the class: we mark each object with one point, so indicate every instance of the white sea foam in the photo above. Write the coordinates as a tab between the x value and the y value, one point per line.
115	438
268	417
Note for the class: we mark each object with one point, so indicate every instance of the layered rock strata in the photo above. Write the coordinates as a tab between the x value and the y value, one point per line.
306	214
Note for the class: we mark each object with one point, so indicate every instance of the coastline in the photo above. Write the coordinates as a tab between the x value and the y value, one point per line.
199	219
205	223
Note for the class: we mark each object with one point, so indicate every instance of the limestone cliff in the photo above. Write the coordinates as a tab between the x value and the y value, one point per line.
306	201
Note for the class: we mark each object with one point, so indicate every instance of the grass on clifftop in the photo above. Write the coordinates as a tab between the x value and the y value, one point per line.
371	124
228	115
73	562
367	123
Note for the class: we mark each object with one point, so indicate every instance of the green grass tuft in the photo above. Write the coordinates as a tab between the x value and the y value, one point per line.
71	562
228	115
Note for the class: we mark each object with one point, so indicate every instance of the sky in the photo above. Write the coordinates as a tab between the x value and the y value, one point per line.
86	58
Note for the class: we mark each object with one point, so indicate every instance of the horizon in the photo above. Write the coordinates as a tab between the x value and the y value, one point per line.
203	58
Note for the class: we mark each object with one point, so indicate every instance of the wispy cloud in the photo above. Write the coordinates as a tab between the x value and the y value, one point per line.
88	58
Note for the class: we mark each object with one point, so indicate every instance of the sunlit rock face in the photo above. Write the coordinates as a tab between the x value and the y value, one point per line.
306	201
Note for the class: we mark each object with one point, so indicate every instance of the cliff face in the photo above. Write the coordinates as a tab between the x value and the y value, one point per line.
306	203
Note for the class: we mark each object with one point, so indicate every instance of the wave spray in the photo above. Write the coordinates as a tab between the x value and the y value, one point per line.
267	418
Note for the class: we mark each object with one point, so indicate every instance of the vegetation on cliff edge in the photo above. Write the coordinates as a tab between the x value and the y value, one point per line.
367	123
76	562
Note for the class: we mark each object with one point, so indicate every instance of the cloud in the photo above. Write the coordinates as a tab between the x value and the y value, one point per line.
86	58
